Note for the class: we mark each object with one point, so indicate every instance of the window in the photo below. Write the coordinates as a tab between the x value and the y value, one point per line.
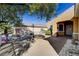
60	28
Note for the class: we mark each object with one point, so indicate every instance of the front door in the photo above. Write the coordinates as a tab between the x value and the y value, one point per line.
69	30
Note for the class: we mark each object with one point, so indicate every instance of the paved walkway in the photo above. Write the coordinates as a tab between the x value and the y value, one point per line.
40	48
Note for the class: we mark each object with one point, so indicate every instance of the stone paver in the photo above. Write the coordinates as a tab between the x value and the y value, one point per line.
40	48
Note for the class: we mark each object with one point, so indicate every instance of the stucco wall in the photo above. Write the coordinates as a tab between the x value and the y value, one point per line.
76	22
66	15
75	28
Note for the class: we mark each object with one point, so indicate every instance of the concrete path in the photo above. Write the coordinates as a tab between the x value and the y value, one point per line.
40	48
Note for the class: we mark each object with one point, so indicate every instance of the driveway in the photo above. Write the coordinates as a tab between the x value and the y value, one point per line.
40	48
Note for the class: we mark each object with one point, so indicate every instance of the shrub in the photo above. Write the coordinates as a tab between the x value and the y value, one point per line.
48	32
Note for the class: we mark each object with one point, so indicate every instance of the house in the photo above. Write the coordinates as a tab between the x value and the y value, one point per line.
67	23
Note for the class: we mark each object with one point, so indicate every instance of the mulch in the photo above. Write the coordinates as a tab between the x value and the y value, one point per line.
57	42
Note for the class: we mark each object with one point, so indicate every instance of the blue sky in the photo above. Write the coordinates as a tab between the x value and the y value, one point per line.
27	19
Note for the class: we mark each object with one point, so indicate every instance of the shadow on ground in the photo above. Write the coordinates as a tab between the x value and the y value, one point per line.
57	42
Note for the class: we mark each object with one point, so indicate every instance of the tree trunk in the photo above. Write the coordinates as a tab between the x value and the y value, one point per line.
6	33
51	32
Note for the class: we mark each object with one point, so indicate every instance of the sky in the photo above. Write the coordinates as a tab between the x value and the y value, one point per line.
27	19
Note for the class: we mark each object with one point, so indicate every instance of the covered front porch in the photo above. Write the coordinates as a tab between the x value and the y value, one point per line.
65	28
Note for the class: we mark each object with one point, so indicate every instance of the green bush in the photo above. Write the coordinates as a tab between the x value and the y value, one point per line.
48	32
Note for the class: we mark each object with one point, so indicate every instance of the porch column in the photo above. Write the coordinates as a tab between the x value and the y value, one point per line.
78	28
75	28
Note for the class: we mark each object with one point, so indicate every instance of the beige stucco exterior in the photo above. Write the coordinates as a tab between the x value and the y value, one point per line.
76	28
71	14
67	15
76	22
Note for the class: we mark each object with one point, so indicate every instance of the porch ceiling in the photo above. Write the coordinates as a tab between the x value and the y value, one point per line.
64	21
